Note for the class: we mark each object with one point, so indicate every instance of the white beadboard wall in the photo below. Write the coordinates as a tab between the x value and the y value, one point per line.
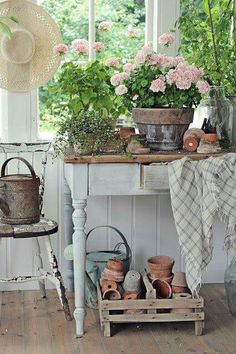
146	221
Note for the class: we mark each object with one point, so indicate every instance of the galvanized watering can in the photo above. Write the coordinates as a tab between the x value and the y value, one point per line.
96	262
19	196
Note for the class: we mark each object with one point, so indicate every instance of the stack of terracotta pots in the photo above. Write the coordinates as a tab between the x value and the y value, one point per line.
112	276
179	283
160	274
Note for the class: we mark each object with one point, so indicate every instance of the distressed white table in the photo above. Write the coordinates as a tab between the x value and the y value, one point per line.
109	175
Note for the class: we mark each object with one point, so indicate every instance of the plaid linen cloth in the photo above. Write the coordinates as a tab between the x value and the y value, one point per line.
200	190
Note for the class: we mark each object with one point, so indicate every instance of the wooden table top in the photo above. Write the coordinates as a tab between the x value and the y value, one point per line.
159	156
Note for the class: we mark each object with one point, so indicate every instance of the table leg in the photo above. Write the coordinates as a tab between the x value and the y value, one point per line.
79	248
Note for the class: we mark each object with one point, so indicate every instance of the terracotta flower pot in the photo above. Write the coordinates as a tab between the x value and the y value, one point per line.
179	289
192	139
163	289
167	279
182	296
111	294
159	274
107	285
164	127
115	265
130	295
108	274
179	279
160	263
211	138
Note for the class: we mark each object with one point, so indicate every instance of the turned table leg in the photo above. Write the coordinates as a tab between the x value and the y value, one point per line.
79	248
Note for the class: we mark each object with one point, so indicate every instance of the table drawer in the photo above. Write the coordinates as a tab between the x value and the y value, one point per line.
154	176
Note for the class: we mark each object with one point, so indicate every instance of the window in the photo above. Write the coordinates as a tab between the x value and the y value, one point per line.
127	19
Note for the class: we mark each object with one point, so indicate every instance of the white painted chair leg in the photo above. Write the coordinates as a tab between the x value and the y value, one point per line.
79	248
38	264
58	281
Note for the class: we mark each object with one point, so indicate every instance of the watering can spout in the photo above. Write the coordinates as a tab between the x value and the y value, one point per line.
4	207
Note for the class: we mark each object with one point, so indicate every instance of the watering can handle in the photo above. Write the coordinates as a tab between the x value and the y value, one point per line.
21	159
128	250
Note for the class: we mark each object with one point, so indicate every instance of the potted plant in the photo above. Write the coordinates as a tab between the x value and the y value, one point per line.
86	133
85	103
209	27
161	91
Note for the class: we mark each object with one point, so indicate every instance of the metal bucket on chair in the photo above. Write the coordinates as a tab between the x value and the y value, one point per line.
96	262
19	196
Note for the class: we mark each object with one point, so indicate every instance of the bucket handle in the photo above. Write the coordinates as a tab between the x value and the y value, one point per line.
21	159
127	248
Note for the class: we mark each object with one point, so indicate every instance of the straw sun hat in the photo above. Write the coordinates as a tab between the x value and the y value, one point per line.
27	60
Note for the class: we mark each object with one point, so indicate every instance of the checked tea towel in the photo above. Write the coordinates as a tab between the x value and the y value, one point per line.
199	191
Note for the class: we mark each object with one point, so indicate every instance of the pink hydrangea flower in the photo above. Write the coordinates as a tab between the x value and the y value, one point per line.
177	60
119	78
147	49
203	86
132	32
112	62
121	90
81	46
166	39
158	85
183	83
60	48
104	26
128	67
98	46
140	58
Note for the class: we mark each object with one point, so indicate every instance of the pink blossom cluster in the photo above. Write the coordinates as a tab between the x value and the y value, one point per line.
132	32
98	46
60	48
184	75
119	78
203	86
158	85
166	39
128	67
81	46
104	26
121	90
112	62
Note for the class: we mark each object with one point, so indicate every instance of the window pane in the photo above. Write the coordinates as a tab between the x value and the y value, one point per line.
127	19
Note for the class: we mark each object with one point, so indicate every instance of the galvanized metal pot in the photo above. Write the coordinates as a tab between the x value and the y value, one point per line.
164	127
19	196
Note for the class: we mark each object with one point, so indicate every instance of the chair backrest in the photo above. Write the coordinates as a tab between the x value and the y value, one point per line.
35	153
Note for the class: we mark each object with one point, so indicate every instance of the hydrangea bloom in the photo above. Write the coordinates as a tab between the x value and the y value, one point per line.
60	48
112	62
158	85
166	39
140	57
104	26
203	86
98	46
121	90
81	46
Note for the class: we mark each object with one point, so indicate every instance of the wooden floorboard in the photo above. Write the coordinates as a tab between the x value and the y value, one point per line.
32	325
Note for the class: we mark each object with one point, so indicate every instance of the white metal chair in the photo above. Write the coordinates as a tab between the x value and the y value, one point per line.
32	152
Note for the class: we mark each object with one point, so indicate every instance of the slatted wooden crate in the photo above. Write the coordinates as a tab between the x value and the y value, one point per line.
114	311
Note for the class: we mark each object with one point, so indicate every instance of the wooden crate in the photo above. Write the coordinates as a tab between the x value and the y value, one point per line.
113	311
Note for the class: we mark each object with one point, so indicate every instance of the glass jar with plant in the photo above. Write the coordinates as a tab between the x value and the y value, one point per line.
87	132
161	91
208	39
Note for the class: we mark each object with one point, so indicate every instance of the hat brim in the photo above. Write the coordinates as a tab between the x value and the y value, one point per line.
44	63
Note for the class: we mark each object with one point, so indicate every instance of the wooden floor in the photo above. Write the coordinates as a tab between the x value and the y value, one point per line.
31	325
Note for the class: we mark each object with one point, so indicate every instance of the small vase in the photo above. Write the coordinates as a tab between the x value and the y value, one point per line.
217	111
230	286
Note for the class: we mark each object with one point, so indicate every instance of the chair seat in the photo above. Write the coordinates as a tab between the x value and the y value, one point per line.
42	228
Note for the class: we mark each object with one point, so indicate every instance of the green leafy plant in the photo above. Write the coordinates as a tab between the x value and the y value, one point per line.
208	39
84	87
4	26
86	133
